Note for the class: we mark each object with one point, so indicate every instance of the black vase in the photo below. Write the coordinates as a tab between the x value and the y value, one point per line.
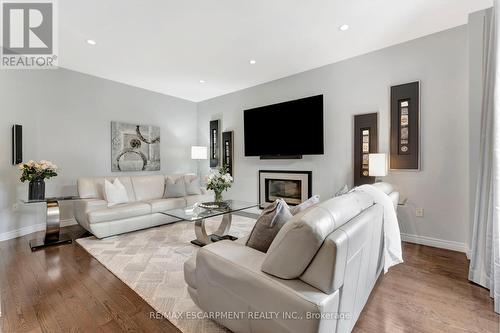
36	190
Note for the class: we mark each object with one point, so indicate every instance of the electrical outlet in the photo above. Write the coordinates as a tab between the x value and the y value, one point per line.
419	212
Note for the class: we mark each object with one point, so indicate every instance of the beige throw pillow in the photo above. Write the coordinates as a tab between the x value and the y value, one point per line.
272	218
175	187
193	185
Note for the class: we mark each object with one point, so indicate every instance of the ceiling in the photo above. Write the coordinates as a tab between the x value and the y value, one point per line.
168	46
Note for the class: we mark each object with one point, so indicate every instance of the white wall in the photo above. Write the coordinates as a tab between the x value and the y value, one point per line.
361	85
66	118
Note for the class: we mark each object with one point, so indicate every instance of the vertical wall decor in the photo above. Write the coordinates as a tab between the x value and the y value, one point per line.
214	143
365	143
17	144
134	147
227	151
405	135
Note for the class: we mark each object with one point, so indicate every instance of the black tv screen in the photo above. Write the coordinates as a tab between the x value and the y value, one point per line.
285	129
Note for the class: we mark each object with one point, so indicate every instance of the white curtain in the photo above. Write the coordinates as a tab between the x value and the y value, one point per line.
485	247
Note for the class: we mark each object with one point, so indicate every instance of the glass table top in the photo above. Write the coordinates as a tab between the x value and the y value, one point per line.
50	199
194	213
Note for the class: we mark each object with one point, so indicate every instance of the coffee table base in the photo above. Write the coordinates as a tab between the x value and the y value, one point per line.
202	238
214	238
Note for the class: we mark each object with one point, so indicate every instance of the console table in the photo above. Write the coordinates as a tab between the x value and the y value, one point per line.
53	236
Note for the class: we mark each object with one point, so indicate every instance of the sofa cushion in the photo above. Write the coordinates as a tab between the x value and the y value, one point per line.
175	187
148	187
298	241
193	185
161	205
119	212
90	188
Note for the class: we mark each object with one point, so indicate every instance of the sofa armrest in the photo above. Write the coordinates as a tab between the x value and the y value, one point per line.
230	268
84	206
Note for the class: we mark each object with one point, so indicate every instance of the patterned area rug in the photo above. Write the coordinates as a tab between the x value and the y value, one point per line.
151	263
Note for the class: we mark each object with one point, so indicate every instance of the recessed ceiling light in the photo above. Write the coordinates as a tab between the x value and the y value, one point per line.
253	62
344	27
202	81
91	42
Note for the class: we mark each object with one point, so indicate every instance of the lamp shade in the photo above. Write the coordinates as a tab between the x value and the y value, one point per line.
199	152
377	165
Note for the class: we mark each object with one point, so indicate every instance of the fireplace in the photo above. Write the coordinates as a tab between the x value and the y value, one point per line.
292	186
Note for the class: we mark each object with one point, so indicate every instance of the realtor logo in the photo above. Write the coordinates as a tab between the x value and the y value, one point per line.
28	34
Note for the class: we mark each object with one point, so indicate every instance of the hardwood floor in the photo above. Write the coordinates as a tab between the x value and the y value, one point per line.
63	289
428	293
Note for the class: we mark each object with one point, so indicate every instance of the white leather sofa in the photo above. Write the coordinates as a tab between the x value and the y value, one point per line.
317	274
146	195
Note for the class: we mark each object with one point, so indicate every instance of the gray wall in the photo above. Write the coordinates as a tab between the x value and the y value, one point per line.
361	85
66	119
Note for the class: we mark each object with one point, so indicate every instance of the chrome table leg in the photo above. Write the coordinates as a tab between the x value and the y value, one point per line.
52	232
202	238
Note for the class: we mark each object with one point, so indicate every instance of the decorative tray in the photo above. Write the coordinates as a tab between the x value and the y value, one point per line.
214	205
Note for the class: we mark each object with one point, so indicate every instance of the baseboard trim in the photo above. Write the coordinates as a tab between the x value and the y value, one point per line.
30	230
434	242
22	231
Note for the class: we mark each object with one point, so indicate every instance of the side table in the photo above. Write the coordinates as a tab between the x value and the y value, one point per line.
53	236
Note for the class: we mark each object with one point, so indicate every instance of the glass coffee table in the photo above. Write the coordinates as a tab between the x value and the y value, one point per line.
198	215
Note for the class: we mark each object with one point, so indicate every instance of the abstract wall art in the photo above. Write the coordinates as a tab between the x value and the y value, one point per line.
134	147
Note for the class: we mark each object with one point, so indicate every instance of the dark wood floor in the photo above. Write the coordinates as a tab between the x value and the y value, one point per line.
63	289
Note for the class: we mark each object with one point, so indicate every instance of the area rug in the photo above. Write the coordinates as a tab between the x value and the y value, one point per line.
151	263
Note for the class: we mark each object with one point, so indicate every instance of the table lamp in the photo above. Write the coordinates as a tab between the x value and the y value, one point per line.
199	153
377	166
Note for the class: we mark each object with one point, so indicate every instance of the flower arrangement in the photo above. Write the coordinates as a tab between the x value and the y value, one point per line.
219	181
36	171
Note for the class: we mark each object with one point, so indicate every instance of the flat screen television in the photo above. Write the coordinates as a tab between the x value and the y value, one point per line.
285	130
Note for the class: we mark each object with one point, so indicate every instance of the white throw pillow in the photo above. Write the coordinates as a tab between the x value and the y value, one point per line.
115	193
306	204
343	190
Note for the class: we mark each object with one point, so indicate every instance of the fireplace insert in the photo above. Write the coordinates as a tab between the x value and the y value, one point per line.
292	186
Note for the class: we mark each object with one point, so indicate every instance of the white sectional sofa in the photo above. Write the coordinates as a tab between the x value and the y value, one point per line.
316	277
146	200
